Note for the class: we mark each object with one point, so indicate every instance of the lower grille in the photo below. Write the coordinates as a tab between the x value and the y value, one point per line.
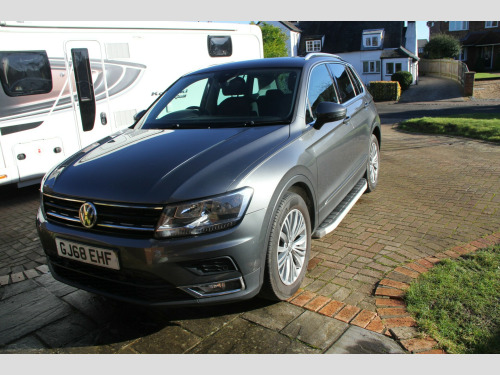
113	218
140	288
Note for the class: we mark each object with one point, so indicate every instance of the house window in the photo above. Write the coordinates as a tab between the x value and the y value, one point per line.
490	24
313	45
371	67
391	68
459	25
371	41
25	73
463	54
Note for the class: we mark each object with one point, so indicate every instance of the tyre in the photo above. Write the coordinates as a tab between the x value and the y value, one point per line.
288	248
373	164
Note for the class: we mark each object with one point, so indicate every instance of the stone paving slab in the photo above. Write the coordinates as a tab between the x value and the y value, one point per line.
360	341
35	317
26	312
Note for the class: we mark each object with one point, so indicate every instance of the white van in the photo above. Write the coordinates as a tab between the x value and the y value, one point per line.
65	85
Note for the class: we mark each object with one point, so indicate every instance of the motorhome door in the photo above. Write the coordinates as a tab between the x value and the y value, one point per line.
89	91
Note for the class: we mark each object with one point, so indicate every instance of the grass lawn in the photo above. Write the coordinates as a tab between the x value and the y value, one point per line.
480	76
479	126
458	302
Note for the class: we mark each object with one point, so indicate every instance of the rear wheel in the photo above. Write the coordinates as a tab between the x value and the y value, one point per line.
288	248
372	167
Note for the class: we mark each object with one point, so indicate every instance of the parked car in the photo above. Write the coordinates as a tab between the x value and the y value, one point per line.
216	191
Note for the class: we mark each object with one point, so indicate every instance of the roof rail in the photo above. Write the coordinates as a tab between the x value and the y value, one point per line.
319	54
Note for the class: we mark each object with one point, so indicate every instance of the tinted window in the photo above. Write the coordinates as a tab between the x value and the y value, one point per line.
25	73
355	79
219	46
344	84
321	89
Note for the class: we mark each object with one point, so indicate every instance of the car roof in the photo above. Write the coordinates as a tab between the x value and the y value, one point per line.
275	62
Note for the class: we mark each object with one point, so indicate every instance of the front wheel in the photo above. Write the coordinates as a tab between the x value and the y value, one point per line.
373	165
288	248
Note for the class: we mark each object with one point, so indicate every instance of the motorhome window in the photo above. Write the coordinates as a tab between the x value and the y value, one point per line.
83	74
25	73
84	87
219	46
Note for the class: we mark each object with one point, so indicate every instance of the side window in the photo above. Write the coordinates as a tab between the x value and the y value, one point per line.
321	89
25	73
219	46
355	79
84	86
346	89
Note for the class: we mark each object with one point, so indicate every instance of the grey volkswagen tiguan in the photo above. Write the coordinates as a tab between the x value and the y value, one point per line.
214	194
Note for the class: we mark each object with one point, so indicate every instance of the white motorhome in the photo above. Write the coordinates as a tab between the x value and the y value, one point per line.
66	85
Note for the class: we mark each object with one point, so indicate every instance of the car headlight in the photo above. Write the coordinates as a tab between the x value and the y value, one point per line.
204	216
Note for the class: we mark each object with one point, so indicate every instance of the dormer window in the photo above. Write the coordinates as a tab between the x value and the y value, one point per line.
372	38
371	41
313	45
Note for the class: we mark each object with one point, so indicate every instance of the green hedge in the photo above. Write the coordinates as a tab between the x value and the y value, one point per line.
404	78
385	90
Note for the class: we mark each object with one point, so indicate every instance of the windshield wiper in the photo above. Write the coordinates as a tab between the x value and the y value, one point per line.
263	123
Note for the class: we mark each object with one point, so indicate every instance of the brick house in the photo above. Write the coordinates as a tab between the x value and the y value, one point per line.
376	49
480	41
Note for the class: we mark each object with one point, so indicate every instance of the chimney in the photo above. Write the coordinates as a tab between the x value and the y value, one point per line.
411	37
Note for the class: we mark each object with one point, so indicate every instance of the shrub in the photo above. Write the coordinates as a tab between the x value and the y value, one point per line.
384	90
442	46
404	78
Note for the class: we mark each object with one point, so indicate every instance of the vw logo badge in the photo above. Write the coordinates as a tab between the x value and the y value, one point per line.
88	215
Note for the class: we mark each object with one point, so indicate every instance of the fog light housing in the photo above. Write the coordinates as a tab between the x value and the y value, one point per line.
217	288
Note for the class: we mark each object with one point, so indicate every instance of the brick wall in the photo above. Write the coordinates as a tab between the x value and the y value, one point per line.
443	27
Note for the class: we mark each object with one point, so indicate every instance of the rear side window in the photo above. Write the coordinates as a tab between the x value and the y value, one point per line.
321	89
355	79
25	73
344	84
219	46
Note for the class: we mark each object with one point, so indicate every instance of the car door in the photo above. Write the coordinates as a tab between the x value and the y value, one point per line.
351	95
331	144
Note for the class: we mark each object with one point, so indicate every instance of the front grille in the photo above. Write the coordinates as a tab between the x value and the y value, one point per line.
114	218
129	285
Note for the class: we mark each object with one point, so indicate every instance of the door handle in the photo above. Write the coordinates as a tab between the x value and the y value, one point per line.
347	119
104	119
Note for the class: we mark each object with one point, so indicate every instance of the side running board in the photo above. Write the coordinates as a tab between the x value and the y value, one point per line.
338	214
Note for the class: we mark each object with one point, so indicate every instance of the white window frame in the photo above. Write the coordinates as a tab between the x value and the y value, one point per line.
458	25
373	67
490	24
313	45
371	41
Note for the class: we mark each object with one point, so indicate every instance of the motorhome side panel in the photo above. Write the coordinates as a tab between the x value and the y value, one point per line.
92	81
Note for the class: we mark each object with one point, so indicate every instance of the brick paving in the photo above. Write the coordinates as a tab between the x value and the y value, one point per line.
20	249
434	193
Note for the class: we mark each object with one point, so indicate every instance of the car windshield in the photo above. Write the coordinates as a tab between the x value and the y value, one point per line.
248	97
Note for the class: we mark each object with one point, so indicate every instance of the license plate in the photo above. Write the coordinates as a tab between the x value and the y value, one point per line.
87	254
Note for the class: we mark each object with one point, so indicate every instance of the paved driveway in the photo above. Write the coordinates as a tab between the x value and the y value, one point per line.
433	89
435	192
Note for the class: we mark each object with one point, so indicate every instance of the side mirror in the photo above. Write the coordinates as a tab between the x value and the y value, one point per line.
139	114
329	112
